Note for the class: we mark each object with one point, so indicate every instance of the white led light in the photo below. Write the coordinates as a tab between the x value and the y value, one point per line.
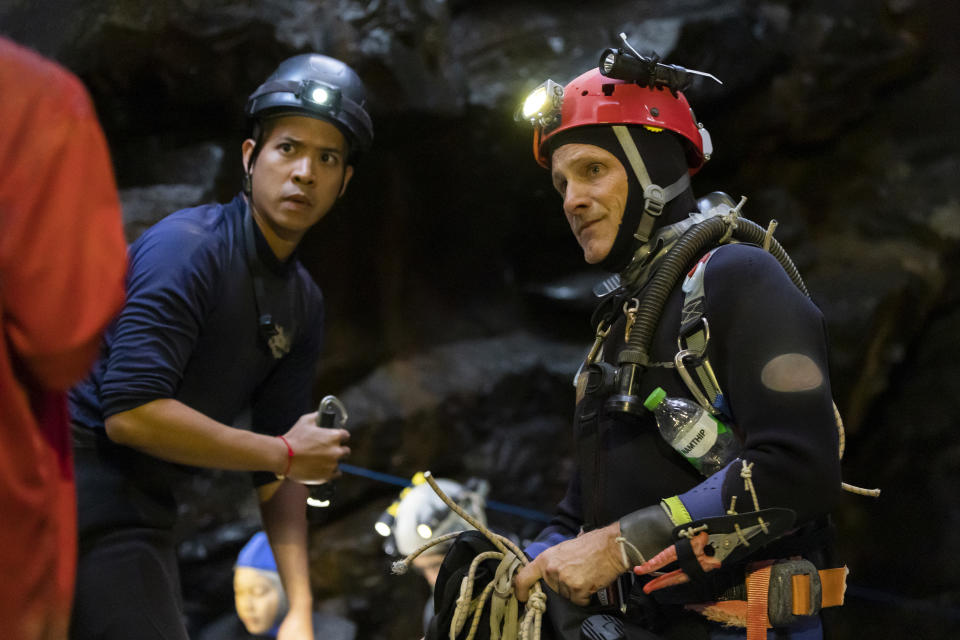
383	529
425	531
535	102
608	61
319	95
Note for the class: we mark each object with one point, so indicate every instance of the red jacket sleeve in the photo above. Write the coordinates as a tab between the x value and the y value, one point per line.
62	250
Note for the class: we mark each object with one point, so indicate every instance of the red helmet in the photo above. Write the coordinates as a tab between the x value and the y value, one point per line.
592	99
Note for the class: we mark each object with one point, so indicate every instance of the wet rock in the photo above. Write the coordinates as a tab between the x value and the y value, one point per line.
837	119
144	206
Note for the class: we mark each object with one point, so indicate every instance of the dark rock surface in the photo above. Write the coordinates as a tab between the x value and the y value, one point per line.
445	339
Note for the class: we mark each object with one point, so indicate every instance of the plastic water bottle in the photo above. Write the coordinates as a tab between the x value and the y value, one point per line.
699	437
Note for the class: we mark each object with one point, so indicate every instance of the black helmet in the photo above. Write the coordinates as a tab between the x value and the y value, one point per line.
319	87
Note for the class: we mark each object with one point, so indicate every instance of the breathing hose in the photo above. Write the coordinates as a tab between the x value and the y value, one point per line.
691	245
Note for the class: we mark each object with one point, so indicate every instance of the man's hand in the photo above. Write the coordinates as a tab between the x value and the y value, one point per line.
317	451
576	568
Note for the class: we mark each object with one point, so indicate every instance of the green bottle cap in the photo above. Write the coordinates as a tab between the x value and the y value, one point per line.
655	398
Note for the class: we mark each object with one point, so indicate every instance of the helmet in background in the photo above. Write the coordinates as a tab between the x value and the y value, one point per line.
420	515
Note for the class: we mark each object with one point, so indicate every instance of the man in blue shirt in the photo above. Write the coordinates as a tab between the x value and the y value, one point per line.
221	319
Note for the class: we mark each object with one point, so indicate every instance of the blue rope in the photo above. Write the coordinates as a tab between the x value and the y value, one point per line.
375	475
530	514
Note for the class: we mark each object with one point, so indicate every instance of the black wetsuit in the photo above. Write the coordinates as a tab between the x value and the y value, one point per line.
198	285
756	315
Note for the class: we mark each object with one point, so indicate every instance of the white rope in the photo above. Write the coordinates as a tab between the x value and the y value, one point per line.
768	236
511	559
627	562
842	441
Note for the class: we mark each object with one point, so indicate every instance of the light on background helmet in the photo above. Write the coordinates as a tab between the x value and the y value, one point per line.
542	106
382	527
424	531
384	524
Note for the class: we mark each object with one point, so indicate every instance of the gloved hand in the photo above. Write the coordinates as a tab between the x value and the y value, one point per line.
704	545
698	543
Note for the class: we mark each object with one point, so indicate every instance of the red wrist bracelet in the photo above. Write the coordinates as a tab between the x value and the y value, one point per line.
289	457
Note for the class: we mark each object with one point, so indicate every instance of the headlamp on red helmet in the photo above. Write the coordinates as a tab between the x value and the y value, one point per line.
542	106
625	88
647	71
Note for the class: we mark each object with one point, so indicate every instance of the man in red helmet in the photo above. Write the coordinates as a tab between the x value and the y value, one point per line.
621	143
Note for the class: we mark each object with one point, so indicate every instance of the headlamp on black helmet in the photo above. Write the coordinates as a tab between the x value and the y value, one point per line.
324	96
316	86
311	95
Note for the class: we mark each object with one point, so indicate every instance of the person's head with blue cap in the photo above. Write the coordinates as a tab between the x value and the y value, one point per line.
260	599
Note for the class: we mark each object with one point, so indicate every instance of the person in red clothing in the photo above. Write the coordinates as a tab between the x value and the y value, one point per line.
62	266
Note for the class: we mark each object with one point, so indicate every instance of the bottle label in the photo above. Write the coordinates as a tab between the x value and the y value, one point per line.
699	439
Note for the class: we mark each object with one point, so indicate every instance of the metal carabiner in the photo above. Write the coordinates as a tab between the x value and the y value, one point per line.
688	380
594	350
707	371
630	308
325	418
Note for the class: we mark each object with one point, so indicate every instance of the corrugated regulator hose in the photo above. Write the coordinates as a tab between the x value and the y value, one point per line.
695	241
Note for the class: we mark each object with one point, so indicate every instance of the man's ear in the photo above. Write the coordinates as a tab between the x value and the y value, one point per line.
347	174
246	150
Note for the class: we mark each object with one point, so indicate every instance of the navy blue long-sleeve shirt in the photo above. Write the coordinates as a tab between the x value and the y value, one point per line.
190	327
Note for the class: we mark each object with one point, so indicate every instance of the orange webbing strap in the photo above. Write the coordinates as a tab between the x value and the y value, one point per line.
758	586
833	584
752	613
800	586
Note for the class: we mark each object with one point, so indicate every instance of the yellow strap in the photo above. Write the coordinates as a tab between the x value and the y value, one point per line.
676	510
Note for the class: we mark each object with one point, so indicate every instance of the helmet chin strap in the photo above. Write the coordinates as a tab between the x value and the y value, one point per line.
655	197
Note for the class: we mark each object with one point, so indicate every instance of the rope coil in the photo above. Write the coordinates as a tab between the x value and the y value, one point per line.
504	606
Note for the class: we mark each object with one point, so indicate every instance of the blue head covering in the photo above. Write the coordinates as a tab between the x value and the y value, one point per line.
257	554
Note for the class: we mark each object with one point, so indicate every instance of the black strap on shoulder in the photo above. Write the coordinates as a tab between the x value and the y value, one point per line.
266	300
